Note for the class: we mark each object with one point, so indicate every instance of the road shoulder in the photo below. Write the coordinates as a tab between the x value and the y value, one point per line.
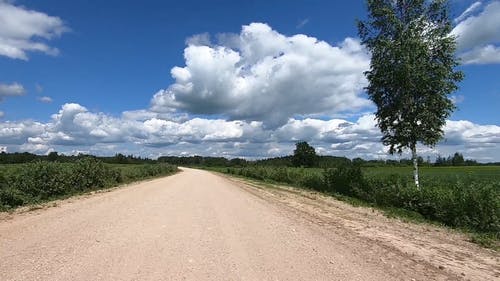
422	246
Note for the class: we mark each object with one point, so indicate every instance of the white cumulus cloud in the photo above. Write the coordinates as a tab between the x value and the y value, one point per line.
472	8
23	30
482	55
74	128
262	75
45	99
19	132
478	36
13	89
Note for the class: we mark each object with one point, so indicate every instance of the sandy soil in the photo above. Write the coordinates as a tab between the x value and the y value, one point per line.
196	225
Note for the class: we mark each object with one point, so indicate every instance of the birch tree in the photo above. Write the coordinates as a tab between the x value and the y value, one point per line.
412	71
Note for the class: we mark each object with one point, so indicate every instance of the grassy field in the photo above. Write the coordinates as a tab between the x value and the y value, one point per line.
479	173
462	197
486	173
9	168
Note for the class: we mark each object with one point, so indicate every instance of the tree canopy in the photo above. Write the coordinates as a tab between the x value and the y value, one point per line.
304	155
412	70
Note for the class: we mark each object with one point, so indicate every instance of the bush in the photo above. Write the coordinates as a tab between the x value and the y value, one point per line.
468	203
137	172
90	173
312	181
10	197
346	180
41	180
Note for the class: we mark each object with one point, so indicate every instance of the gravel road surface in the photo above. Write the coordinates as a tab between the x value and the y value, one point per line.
198	225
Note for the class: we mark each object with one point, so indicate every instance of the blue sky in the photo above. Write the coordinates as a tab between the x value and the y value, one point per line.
125	49
101	59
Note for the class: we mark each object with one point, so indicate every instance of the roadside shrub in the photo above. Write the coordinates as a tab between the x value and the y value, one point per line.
484	201
346	180
41	180
473	205
10	197
3	180
137	172
460	202
90	173
312	181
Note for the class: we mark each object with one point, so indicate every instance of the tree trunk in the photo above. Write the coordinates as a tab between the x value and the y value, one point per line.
415	165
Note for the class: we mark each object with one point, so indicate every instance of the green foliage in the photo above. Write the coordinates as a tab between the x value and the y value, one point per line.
41	180
412	69
200	161
290	175
347	180
489	240
456	160
452	196
433	176
129	173
25	157
11	197
90	173
304	155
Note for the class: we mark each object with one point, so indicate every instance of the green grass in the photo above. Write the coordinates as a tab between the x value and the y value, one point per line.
9	168
427	174
487	240
478	173
459	197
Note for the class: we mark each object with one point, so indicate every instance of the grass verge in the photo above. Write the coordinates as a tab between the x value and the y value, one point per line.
40	182
489	240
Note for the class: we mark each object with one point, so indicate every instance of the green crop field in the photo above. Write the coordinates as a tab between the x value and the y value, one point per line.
428	175
466	197
486	173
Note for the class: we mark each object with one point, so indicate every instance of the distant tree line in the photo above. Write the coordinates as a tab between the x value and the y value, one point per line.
304	156
25	157
456	160
202	161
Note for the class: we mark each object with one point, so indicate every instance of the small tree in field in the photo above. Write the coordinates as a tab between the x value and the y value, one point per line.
412	71
304	155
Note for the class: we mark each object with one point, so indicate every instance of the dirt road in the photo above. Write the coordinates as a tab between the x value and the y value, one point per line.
196	225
